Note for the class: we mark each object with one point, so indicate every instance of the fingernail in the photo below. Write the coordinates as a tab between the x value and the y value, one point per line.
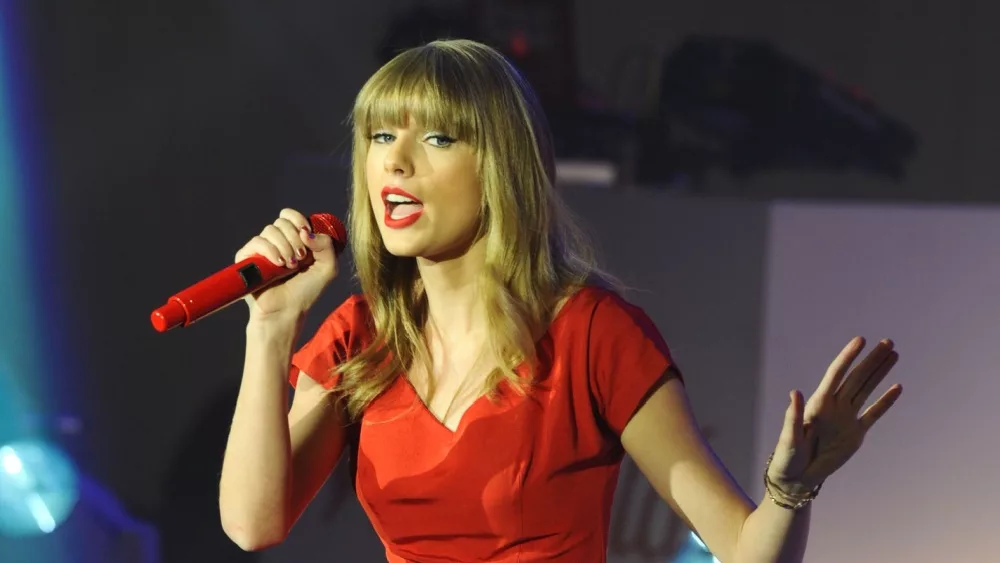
293	262
312	234
301	253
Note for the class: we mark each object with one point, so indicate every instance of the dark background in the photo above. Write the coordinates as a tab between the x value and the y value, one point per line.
172	131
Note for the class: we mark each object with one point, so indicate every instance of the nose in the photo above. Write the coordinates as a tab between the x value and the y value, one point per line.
398	160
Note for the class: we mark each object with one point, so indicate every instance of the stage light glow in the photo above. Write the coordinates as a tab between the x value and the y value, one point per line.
694	551
21	358
39	488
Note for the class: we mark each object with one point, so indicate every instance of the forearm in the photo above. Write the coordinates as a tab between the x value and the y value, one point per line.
772	534
255	487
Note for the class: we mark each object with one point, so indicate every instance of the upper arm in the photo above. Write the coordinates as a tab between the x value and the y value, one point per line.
639	393
317	428
664	441
317	422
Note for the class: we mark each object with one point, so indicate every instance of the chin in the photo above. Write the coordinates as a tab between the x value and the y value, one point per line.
401	248
402	252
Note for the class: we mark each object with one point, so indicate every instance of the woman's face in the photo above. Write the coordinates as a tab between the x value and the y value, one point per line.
425	191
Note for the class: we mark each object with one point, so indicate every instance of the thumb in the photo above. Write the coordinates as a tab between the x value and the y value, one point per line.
319	244
792	431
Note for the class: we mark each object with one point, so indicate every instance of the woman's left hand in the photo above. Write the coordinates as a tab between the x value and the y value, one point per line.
821	434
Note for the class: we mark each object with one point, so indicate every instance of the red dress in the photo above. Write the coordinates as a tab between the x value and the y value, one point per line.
524	477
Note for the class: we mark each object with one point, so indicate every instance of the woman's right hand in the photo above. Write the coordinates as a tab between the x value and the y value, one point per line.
285	243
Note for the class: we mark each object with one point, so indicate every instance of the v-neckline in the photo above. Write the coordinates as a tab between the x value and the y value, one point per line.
426	409
423	406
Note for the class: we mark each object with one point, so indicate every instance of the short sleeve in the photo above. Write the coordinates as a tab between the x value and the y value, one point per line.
628	359
343	334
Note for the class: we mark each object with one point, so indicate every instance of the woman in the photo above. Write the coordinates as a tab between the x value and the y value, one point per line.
487	381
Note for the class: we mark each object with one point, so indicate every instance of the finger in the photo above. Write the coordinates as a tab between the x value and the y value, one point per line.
835	373
798	407
860	374
318	243
291	233
874	380
273	235
294	217
873	413
263	247
322	250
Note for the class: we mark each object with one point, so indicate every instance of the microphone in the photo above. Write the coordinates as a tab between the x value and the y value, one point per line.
235	282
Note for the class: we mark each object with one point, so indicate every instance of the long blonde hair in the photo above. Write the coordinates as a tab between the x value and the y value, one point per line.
535	255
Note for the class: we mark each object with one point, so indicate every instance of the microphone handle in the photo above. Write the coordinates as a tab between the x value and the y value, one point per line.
220	290
238	280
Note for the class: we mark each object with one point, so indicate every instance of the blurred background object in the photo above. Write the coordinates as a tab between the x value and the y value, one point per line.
725	103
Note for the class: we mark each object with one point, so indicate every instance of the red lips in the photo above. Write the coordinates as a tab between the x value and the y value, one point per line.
402	208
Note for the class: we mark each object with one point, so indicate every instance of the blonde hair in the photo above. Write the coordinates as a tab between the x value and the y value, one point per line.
535	255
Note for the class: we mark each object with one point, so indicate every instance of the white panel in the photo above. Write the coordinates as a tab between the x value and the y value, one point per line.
922	488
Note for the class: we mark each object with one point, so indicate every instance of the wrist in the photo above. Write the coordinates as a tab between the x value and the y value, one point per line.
786	493
790	487
274	328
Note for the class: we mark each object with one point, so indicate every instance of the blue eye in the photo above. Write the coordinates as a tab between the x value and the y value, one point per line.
440	140
381	137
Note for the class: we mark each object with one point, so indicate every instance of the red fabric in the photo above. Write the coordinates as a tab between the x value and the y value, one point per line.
525	477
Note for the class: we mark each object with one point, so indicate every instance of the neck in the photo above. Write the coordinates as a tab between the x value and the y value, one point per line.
454	303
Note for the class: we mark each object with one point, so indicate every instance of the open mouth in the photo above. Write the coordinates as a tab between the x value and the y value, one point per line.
401	207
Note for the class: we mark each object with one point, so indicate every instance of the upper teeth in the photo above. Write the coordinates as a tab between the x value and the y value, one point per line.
395	198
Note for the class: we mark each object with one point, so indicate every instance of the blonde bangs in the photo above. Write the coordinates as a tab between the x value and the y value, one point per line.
424	86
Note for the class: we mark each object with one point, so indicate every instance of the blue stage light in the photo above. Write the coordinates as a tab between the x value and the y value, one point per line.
694	551
39	488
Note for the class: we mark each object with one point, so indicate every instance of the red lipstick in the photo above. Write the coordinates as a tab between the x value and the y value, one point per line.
402	208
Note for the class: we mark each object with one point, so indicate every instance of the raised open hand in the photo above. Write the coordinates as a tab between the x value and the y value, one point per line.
821	434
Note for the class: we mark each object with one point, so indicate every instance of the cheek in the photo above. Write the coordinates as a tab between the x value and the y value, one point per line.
465	204
374	189
375	200
467	189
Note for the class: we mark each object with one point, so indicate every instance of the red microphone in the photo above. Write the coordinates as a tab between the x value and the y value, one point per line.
237	281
